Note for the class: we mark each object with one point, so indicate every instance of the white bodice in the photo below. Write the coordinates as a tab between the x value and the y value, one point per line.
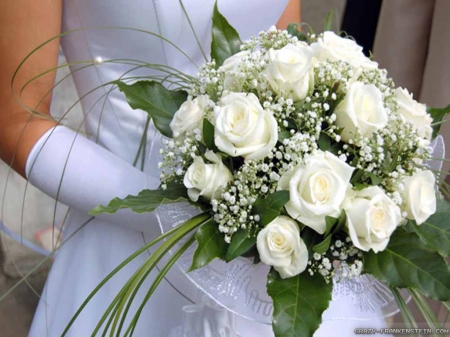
108	118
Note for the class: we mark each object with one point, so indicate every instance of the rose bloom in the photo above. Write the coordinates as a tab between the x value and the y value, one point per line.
230	67
279	245
415	113
290	72
419	196
361	110
371	219
190	115
206	180
317	189
244	128
331	47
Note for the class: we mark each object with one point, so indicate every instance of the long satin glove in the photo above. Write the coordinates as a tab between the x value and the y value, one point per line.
82	174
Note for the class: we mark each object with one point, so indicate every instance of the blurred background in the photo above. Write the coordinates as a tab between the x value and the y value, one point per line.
407	37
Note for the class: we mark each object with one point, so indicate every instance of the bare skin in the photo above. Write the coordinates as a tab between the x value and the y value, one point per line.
24	24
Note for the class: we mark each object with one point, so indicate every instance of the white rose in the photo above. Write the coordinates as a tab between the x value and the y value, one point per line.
317	189
206	180
415	113
419	196
232	63
361	110
371	219
230	68
331	47
244	128
289	71
190	115
279	245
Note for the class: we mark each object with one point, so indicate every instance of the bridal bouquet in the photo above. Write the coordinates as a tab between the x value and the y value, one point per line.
302	155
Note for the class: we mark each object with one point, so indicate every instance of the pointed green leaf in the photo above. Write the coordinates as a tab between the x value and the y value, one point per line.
324	141
329	223
438	115
269	208
225	39
275	200
211	245
208	135
240	243
284	134
329	20
435	231
408	263
298	303
311	238
293	29
146	201
152	97
323	246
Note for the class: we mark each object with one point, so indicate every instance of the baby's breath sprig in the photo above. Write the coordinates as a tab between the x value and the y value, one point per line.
329	264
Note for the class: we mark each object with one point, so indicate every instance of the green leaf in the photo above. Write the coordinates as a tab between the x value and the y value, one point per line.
329	20
240	244
275	200
225	39
323	246
329	223
284	134
408	263
146	201
374	179
435	231
311	238
324	141
293	29
208	135
152	97
211	245
342	220
438	114
269	208
298	303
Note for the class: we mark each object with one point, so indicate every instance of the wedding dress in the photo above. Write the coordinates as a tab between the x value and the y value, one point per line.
93	248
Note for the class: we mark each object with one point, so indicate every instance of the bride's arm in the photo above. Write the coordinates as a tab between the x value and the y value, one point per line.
23	25
290	14
61	163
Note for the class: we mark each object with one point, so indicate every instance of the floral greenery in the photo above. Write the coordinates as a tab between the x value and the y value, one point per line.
308	124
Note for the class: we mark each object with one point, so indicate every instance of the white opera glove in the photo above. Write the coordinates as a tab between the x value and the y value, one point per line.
87	175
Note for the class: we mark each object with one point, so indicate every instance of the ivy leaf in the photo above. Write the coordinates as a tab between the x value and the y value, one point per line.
159	102
211	245
208	135
438	114
298	303
408	263
435	231
225	39
146	201
240	244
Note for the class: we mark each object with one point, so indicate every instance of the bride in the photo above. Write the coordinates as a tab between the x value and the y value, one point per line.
83	172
